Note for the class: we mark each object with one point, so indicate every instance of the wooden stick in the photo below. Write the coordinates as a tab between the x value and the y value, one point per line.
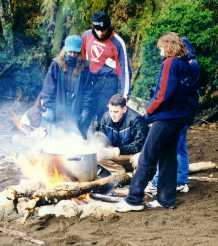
207	179
201	166
21	235
75	189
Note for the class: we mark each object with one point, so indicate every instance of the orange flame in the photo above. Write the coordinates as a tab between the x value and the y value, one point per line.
45	168
56	172
82	199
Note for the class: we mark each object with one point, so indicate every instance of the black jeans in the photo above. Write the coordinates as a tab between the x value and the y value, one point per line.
159	147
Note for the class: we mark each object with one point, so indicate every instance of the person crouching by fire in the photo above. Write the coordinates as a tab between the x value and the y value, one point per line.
65	91
125	131
172	107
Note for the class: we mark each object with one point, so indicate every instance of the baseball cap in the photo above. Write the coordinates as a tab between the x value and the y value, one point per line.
73	43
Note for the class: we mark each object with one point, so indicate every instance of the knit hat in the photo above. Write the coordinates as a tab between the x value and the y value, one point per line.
101	21
73	43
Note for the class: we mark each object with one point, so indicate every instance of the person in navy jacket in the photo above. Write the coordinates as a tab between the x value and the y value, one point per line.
65	91
182	148
108	62
172	107
125	131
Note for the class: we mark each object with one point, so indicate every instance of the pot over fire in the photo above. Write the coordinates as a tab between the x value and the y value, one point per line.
78	158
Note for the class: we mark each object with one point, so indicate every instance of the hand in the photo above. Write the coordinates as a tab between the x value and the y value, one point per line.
107	153
25	124
134	160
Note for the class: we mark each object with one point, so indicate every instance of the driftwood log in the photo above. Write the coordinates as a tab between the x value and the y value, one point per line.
21	235
75	189
201	166
64	191
204	179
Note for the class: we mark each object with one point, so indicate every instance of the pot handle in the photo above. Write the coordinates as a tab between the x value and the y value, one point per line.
74	159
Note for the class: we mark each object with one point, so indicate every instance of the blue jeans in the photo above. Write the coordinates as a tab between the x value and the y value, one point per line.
182	159
159	147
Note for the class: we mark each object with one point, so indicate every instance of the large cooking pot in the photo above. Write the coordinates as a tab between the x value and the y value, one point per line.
83	167
78	157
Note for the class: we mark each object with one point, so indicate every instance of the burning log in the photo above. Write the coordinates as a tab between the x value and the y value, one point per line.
75	189
63	191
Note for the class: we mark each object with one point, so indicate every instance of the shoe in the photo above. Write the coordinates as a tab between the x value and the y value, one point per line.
150	189
182	188
124	207
154	204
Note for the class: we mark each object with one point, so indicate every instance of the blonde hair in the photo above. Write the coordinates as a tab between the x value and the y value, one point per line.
172	45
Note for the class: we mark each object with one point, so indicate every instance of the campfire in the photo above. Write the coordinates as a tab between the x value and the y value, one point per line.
58	182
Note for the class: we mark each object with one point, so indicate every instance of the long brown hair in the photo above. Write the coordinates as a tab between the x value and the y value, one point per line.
60	60
172	45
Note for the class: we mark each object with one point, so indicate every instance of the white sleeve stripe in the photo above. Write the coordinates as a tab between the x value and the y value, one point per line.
126	79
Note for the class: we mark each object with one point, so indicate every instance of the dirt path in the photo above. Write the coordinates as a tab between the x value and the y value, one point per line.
193	222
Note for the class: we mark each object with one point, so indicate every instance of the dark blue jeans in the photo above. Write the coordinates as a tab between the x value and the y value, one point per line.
104	87
182	159
160	147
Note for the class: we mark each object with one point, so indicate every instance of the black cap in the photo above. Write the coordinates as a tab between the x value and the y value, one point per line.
101	21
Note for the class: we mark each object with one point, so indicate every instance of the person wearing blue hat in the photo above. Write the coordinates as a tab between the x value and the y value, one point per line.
64	88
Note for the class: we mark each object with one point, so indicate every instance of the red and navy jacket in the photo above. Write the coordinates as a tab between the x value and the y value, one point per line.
176	93
108	58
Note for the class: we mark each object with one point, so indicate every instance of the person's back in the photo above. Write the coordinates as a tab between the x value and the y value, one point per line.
182	81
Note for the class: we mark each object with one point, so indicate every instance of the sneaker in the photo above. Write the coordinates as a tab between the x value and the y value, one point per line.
182	188
124	207
155	204
150	189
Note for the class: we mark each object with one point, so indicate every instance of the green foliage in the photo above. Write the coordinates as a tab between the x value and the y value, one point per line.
191	19
149	71
139	22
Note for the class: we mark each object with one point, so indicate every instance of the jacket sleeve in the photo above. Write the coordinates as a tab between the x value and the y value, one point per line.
125	70
166	85
48	92
139	131
83	48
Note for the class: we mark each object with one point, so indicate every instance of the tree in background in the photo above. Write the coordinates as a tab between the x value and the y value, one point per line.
6	23
37	29
189	18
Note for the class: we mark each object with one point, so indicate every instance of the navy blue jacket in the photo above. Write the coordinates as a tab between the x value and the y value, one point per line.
128	134
176	95
63	92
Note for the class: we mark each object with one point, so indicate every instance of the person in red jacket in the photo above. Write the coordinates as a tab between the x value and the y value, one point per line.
172	107
108	62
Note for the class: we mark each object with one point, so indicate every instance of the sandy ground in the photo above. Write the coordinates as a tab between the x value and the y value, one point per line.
193	222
